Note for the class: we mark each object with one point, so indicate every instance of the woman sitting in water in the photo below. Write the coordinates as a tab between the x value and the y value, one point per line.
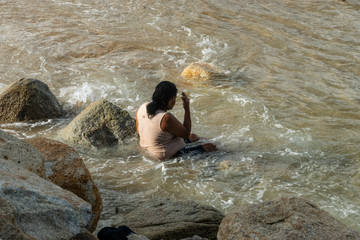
161	133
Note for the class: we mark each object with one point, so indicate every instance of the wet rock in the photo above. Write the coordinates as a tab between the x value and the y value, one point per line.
40	209
65	168
26	100
200	71
288	218
166	219
101	124
21	152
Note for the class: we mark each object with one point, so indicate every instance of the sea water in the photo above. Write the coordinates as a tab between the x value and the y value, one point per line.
286	117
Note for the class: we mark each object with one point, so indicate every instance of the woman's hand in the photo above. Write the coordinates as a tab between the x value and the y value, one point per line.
170	123
209	147
186	101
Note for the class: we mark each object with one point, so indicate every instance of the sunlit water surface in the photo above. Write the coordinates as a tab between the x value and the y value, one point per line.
286	117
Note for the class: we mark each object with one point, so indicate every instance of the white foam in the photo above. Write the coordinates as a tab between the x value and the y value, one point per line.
176	55
289	152
294	136
188	30
72	4
227	203
208	47
260	193
205	41
43	63
208	53
156	19
86	92
27	124
241	100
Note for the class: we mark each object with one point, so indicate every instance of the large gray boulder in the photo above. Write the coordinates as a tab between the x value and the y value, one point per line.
26	100
36	208
166	219
21	152
101	124
8	228
56	162
288	218
65	168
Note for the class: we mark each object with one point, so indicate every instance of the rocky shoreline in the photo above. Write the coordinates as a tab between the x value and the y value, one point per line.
46	191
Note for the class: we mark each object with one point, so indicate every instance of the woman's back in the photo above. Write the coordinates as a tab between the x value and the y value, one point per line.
160	143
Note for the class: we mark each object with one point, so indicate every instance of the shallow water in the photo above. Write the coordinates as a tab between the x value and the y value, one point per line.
286	117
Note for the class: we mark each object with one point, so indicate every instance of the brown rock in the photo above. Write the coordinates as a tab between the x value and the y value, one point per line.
65	168
26	100
288	218
201	72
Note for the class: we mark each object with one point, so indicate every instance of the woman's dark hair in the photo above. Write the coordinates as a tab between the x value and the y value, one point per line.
164	91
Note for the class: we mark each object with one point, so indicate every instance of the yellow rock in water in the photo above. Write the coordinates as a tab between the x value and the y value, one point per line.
224	165
201	71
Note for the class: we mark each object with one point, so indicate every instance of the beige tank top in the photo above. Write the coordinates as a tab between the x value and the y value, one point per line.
161	144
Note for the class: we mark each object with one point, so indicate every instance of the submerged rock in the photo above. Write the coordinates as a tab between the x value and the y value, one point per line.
36	208
65	168
26	100
200	71
101	124
22	153
165	219
288	218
